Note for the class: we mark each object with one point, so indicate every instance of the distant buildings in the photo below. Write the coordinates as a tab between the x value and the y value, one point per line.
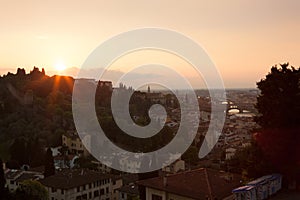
82	184
74	144
107	84
177	166
201	184
65	161
15	177
230	152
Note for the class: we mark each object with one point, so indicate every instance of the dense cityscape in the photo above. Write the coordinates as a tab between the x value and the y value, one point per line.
40	146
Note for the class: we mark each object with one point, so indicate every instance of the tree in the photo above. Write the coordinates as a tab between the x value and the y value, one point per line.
191	155
49	163
279	108
36	152
250	162
31	190
279	101
18	151
2	178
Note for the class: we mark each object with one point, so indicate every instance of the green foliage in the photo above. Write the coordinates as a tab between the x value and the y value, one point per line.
27	151
191	155
31	190
250	162
49	164
279	108
2	178
33	106
276	146
85	163
279	101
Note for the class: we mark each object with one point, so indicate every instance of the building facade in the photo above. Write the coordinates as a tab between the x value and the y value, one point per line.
82	185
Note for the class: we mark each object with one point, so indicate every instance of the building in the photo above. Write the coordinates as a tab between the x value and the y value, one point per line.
201	184
101	167
107	84
82	184
64	161
230	152
129	192
15	177
155	97
178	165
74	144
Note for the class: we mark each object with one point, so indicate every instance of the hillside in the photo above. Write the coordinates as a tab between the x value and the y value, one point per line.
34	107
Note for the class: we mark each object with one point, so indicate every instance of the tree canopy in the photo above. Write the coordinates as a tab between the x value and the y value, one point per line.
279	108
2	178
31	190
49	164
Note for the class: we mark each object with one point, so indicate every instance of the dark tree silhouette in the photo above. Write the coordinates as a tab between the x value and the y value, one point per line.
18	151
31	190
49	163
279	101
279	108
2	178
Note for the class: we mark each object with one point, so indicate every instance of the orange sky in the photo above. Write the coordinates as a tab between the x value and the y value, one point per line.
243	38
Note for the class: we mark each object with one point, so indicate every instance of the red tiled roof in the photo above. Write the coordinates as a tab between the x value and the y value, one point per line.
196	184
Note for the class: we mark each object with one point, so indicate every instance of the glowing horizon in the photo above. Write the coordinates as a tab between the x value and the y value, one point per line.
243	38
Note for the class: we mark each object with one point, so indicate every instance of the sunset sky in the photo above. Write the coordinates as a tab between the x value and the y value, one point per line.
243	38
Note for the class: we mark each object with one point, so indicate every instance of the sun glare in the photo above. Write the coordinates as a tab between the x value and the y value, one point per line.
60	67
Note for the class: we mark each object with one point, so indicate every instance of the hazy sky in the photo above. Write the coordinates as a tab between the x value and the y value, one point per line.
243	38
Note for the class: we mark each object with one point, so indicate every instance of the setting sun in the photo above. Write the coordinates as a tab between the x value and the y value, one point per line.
60	67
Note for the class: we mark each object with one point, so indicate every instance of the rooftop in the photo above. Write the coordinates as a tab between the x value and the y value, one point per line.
197	184
67	178
130	189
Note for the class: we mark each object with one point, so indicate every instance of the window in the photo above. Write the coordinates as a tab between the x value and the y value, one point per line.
156	197
84	196
78	198
78	189
62	191
53	189
107	190
96	193
101	191
90	195
123	195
